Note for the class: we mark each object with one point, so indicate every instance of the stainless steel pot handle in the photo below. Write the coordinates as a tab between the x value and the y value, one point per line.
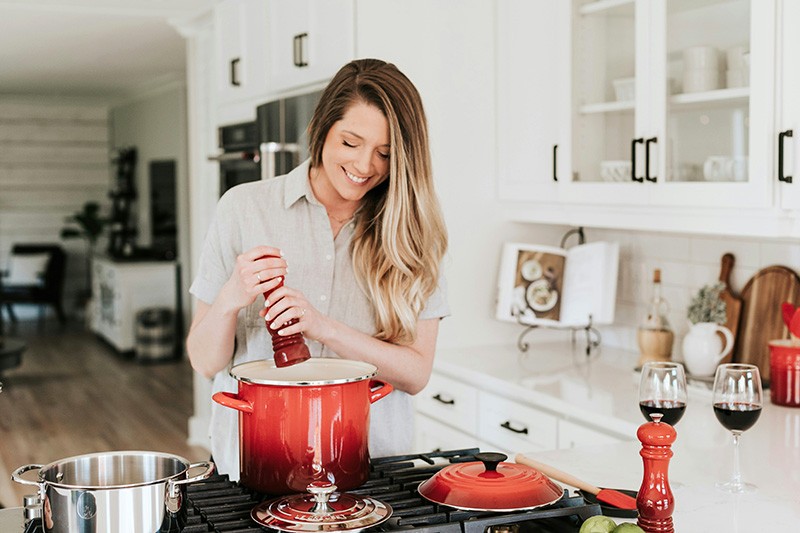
16	475
174	502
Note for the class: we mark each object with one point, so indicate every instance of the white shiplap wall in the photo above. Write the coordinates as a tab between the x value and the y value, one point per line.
53	158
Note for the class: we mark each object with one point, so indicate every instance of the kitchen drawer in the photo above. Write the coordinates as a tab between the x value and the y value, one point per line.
515	427
431	434
571	435
451	402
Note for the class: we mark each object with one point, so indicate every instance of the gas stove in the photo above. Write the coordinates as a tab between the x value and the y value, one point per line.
221	505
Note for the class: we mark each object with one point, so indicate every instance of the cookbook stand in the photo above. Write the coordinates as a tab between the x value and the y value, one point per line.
592	334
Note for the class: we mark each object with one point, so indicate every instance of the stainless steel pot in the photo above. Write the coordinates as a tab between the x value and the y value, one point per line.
124	492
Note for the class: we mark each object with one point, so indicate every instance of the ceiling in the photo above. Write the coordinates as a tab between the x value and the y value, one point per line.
92	48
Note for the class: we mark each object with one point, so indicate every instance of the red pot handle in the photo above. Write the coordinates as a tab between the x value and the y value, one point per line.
382	390
229	399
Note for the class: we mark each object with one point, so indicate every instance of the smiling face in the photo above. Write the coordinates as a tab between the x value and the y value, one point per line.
355	157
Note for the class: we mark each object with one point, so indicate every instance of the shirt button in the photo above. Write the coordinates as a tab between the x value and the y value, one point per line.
323	297
329	257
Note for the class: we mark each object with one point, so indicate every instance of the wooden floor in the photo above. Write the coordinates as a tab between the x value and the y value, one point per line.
74	394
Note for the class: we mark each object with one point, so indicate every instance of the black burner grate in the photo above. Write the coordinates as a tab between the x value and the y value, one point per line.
220	505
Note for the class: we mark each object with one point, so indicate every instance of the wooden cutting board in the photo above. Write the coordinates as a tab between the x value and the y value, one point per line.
733	303
761	314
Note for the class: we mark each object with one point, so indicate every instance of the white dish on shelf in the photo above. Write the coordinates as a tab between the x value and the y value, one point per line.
531	270
625	89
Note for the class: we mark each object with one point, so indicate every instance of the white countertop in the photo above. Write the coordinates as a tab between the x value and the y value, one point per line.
602	391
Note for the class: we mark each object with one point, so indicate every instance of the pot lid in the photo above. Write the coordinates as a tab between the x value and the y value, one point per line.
321	510
315	371
489	484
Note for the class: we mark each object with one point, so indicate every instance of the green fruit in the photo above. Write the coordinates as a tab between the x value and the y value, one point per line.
598	524
627	527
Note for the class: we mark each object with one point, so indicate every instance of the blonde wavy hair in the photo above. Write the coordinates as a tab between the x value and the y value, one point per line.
400	236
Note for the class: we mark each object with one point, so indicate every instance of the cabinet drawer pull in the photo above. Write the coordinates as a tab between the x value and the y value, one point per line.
555	162
634	142
448	401
507	425
299	59
235	72
781	137
647	175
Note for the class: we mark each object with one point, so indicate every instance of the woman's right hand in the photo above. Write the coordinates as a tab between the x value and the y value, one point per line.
258	270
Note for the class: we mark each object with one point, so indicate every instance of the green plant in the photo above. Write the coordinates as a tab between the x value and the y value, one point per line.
707	306
89	225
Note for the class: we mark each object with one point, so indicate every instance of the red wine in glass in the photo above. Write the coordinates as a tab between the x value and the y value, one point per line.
737	416
671	409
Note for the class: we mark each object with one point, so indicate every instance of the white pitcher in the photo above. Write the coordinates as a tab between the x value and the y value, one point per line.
703	349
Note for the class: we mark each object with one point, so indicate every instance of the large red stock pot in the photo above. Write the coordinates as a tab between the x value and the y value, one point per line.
303	423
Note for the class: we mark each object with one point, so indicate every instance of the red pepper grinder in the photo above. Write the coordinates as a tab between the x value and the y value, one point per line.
287	349
655	501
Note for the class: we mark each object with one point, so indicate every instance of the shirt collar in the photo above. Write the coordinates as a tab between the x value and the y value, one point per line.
298	186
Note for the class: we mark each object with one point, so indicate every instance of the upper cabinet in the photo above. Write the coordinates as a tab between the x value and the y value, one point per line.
310	40
240	29
670	115
787	122
664	109
527	91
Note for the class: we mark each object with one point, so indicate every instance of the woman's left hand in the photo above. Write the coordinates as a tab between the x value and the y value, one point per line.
285	304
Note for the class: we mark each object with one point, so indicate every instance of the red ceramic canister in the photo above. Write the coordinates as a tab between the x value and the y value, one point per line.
303	423
784	371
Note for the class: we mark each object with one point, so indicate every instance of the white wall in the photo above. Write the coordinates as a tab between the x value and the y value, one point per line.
53	159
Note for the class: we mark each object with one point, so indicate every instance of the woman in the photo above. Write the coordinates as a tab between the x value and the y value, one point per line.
357	234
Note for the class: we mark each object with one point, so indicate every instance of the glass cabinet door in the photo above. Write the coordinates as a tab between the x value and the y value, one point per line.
604	90
708	69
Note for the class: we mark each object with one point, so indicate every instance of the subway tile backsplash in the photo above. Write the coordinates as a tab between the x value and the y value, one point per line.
687	262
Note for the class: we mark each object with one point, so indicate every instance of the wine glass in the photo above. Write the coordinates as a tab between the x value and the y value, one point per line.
737	405
662	389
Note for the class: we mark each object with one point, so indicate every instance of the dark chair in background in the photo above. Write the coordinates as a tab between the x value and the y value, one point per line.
43	288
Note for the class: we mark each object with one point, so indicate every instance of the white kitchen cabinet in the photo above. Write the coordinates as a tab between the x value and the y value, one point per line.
787	126
530	76
705	160
431	435
452	413
689	140
450	401
122	289
512	427
241	42
309	41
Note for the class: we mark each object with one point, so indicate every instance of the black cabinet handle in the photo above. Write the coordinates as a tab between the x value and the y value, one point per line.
555	162
235	72
647	175
781	138
439	398
299	59
507	425
634	142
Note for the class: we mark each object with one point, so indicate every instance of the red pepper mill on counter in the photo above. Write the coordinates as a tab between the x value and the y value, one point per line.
287	349
655	501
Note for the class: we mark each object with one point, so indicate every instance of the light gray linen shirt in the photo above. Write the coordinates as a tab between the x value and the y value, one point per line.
284	213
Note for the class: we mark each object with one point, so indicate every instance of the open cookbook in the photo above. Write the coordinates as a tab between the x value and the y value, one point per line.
546	285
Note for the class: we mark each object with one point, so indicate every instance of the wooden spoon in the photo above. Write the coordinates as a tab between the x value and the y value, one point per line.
609	496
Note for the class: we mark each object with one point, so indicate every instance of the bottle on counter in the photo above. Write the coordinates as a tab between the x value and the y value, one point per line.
655	336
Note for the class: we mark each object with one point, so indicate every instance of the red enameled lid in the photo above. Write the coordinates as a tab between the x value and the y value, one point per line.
489	484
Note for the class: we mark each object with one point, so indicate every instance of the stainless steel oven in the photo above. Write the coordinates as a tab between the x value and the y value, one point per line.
239	161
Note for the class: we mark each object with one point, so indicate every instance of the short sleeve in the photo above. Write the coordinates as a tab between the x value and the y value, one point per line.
219	252
437	306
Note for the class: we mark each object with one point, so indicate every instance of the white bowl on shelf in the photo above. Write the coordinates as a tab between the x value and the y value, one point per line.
625	89
615	170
